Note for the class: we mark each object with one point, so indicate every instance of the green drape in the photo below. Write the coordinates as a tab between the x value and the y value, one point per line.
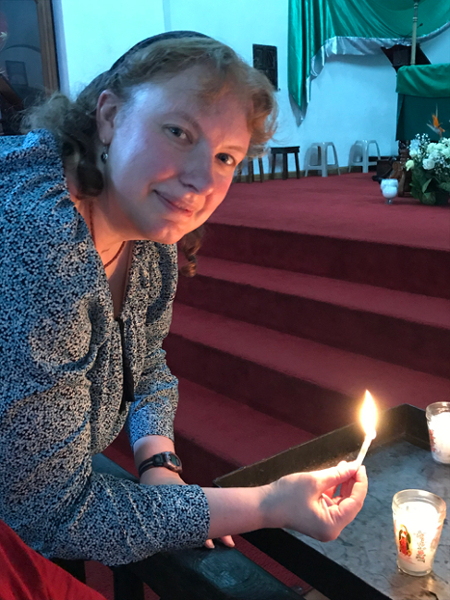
320	28
431	81
423	91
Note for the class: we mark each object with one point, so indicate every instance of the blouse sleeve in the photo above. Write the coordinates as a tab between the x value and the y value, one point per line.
55	502
156	393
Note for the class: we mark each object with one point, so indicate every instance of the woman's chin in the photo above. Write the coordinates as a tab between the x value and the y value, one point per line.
166	237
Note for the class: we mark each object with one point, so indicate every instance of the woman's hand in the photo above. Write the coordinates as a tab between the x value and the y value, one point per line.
162	476
307	503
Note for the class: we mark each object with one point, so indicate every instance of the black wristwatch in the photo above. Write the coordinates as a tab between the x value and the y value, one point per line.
169	460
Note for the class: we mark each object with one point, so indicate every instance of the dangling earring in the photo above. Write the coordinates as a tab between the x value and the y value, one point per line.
104	155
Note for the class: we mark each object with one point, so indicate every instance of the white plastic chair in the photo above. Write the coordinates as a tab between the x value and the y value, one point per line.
316	158
359	155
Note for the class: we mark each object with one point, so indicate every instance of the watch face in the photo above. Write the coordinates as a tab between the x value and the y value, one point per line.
174	460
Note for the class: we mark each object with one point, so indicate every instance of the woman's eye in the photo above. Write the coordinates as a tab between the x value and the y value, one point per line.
227	159
178	132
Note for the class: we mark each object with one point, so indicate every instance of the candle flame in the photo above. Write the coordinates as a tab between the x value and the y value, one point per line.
369	415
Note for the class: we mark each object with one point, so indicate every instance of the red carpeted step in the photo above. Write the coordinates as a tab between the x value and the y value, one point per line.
350	206
312	386
417	270
216	435
406	329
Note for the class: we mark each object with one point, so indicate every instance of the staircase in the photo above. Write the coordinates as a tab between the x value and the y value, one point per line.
278	335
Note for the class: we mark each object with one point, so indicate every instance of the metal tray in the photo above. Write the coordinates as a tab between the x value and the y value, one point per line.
361	563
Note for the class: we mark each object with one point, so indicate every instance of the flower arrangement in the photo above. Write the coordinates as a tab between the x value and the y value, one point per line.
429	164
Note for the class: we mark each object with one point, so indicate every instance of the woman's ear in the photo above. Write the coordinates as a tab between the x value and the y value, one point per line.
107	108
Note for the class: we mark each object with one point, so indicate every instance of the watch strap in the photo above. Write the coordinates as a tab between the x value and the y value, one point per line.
168	460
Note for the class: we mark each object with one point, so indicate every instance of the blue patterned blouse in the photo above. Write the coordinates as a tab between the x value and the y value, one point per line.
61	375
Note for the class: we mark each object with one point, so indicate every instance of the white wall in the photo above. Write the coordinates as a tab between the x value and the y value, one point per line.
92	34
353	98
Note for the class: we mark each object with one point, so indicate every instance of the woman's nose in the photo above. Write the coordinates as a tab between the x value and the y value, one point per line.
198	172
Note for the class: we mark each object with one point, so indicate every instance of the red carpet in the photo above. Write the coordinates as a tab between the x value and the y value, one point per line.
350	206
309	291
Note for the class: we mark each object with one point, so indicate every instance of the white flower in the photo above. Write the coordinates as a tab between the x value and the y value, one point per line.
428	164
414	146
409	165
413	153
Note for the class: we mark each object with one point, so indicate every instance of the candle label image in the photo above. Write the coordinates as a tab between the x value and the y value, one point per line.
404	541
420	556
416	546
432	440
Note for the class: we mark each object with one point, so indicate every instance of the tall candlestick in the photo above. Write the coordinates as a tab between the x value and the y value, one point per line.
414	33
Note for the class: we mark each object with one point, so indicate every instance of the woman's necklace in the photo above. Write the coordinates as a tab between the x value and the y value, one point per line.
91	222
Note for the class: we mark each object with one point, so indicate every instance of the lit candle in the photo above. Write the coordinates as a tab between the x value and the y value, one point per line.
438	417
369	422
418	520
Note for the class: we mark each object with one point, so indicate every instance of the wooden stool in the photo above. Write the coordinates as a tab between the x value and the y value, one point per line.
250	171
284	151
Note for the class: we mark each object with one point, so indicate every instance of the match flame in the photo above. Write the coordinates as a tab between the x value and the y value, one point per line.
369	415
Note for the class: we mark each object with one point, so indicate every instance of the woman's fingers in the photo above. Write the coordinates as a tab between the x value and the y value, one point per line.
328	501
352	502
330	479
227	540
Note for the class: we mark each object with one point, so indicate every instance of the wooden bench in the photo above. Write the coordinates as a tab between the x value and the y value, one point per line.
195	574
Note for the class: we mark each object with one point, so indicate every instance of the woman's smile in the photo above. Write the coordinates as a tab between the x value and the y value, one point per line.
178	206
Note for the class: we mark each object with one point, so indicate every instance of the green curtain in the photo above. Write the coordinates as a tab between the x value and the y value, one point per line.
423	91
431	81
321	28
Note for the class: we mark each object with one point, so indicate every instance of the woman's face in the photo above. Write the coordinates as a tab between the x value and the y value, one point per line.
171	159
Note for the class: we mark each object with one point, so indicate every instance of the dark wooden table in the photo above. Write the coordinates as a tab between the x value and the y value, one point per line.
361	563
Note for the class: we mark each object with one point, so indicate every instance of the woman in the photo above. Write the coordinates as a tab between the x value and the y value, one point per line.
92	207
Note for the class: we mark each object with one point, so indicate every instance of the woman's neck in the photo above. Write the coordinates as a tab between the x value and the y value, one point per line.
107	240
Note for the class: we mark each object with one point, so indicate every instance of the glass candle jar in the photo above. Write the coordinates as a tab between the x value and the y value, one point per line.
418	519
438	419
389	189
